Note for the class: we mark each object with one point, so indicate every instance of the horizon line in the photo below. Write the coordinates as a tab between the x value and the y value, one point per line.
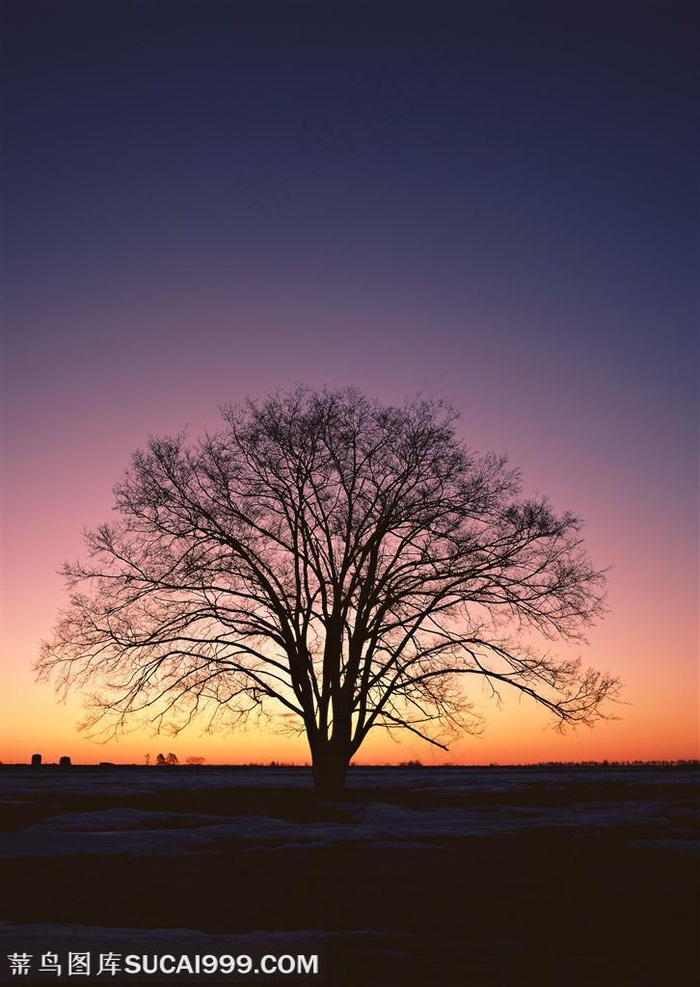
403	765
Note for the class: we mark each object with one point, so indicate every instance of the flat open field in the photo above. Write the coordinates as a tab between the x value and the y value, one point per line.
484	877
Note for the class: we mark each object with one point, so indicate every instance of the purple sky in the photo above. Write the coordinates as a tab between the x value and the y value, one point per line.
494	203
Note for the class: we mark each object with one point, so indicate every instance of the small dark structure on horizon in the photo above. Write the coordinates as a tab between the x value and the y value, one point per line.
36	760
64	762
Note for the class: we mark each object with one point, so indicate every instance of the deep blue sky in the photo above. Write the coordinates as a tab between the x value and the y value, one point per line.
496	202
498	158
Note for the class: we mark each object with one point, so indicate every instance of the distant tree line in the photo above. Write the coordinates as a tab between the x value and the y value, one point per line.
169	760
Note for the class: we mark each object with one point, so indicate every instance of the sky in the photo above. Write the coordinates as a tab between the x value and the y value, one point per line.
495	204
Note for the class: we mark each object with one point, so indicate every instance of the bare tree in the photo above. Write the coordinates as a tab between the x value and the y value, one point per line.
352	565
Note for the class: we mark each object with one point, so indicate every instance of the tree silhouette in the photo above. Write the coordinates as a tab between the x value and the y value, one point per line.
167	760
349	564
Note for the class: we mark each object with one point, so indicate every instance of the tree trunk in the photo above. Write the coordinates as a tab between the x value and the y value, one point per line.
329	767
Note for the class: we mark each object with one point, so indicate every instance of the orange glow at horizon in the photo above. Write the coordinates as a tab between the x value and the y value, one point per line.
658	719
516	733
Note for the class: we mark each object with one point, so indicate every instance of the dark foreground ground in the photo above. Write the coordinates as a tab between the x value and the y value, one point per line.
581	880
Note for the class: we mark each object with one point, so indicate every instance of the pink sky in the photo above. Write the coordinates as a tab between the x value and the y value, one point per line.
518	236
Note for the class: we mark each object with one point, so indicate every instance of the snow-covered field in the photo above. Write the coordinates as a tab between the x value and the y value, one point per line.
449	836
140	832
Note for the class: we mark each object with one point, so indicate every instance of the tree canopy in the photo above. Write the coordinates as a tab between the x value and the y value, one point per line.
351	565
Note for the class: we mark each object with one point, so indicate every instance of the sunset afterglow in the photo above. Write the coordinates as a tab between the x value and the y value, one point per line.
200	209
